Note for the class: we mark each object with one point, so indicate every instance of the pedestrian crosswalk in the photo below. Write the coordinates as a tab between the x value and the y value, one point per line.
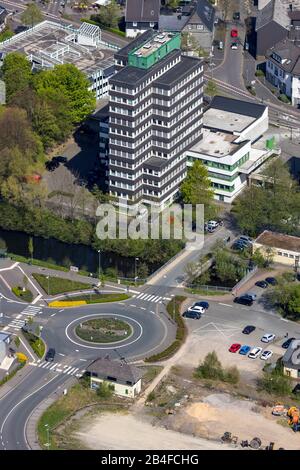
19	321
58	367
150	297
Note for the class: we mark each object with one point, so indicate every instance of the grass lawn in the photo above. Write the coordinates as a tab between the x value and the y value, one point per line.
103	330
58	285
207	292
37	344
24	295
79	396
99	298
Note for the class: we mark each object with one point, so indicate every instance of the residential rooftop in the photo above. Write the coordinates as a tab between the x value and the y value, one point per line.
105	369
275	11
206	12
279	240
217	144
49	43
141	11
287	357
287	54
153	44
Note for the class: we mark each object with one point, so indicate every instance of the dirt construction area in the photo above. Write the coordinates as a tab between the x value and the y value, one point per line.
128	432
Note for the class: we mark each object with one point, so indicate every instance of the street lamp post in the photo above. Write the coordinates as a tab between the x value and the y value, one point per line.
48	436
99	263
1	314
173	300
135	268
48	277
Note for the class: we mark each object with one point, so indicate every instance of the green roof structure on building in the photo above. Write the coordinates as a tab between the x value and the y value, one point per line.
154	49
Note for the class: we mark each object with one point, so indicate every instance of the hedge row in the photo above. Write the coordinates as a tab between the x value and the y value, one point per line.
181	331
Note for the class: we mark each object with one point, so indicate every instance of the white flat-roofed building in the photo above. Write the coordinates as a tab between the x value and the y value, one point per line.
233	145
49	43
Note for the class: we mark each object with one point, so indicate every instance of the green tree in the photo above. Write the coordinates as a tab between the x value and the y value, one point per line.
72	84
275	383
211	88
172	3
273	206
286	295
196	189
210	368
30	247
7	33
191	269
108	15
32	15
16	73
105	390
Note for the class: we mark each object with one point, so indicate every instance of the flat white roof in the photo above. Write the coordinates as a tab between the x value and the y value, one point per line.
226	121
216	144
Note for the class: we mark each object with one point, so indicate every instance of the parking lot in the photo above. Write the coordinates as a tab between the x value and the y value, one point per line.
221	326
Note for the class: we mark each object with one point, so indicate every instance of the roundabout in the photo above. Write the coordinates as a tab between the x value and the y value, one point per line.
72	331
103	330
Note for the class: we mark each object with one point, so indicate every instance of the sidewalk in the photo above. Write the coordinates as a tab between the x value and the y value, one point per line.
31	425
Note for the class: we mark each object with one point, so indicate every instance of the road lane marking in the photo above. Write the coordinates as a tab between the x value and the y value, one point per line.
226	305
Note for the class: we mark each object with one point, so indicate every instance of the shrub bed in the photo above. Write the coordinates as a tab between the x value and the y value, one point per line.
181	331
24	295
36	344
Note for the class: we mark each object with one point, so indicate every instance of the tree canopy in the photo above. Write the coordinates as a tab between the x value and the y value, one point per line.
32	15
273	206
108	15
16	73
196	189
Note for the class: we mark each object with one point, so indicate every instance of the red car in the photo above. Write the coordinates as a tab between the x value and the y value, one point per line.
234	347
234	33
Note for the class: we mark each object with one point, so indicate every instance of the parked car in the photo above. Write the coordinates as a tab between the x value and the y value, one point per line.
248	329
262	284
192	314
236	16
212	224
254	353
243	300
234	46
202	303
287	343
234	347
221	45
234	33
266	355
251	295
271	280
50	355
197	309
244	350
268	337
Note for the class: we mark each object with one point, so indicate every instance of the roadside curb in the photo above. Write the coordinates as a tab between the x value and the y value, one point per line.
30	430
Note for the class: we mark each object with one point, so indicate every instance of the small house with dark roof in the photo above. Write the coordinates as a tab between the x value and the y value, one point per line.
125	379
201	23
291	360
141	15
283	68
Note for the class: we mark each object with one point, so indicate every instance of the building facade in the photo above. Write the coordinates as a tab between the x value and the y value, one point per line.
124	379
141	15
283	69
201	23
155	115
49	44
231	147
285	249
291	366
